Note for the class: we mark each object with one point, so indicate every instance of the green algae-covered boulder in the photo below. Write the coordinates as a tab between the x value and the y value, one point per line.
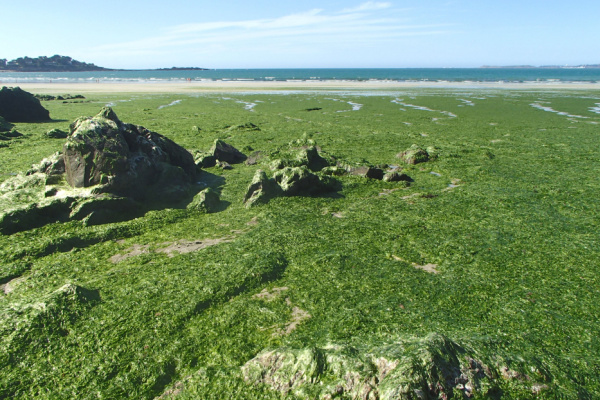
226	152
56	134
307	156
395	176
300	181
104	208
206	201
261	189
431	367
414	155
17	105
125	159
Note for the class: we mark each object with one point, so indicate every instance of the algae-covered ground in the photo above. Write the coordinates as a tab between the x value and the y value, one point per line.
479	278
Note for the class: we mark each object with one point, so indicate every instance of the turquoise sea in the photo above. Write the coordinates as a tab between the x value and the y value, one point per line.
350	74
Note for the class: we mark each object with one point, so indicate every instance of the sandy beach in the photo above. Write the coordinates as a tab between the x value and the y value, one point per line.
234	86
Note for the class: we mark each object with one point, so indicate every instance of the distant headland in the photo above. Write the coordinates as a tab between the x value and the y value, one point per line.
583	66
59	63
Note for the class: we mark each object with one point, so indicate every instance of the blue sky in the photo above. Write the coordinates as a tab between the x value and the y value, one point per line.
325	33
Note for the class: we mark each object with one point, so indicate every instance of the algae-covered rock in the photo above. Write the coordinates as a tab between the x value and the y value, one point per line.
205	160
395	176
50	166
17	105
414	155
29	327
206	201
56	134
34	215
307	156
104	208
433	367
248	126
365	172
261	189
127	160
226	152
299	180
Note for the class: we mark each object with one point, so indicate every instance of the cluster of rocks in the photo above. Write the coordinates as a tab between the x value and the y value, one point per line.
221	154
105	170
17	105
433	367
49	97
7	132
302	169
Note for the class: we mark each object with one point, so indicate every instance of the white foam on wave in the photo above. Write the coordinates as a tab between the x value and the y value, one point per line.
170	104
596	109
552	110
467	102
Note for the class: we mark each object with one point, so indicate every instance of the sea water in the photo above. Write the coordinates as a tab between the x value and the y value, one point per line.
317	74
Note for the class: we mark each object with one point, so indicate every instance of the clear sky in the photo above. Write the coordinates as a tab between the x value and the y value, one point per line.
304	34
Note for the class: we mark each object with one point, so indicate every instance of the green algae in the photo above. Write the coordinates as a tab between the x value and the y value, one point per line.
514	241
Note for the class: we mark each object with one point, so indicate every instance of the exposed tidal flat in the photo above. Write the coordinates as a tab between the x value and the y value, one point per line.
479	278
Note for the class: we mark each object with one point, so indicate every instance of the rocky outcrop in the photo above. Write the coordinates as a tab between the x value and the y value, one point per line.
226	152
17	105
261	190
109	171
56	134
297	181
125	159
206	201
220	154
297	156
433	367
414	155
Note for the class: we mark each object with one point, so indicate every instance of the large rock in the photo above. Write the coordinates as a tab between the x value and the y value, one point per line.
207	201
17	105
261	189
125	159
294	156
300	181
226	152
296	181
433	367
414	155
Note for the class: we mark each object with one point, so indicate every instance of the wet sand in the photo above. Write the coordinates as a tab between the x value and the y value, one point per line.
236	86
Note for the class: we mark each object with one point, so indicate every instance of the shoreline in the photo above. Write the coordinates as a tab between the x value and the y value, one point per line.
249	86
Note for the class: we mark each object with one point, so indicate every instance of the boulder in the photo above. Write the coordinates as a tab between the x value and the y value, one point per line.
206	201
261	189
300	181
103	209
226	152
296	181
17	105
307	156
366	172
125	159
414	155
432	367
394	176
56	134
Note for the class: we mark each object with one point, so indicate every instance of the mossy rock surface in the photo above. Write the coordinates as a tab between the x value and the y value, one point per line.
414	155
433	367
206	201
